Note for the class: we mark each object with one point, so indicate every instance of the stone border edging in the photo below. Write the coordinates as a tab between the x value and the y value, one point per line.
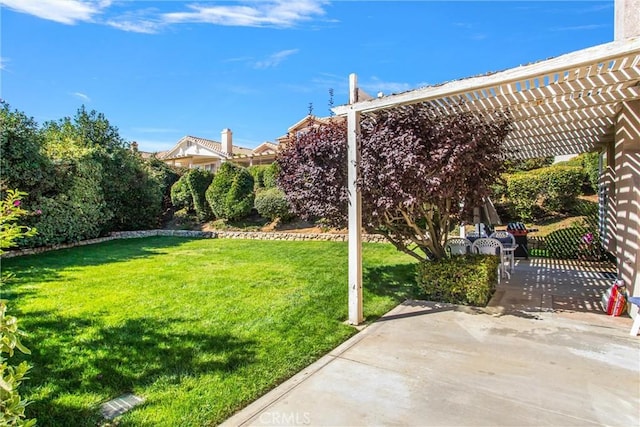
253	235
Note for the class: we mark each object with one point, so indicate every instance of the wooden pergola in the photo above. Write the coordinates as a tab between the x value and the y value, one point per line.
588	100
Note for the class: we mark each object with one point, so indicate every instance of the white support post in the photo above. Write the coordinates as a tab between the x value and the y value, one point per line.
355	208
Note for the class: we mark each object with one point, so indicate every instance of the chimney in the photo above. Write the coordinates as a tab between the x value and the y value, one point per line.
227	141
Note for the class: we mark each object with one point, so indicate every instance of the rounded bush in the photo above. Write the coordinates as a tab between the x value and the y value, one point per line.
272	204
198	181
230	195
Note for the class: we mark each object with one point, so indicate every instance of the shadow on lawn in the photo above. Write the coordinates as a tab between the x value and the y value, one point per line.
45	266
397	281
80	356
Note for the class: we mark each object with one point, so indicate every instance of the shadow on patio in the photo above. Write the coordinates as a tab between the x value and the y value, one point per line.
567	287
542	353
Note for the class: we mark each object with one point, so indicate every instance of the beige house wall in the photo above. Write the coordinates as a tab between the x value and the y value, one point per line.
627	19
627	195
607	190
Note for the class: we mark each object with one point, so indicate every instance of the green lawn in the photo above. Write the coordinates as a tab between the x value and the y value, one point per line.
199	328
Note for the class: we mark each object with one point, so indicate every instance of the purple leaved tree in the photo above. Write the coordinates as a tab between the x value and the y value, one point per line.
423	169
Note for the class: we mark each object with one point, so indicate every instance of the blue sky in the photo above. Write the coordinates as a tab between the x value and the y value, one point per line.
160	70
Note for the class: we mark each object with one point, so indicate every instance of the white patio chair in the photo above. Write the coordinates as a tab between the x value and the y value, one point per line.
502	236
489	246
457	246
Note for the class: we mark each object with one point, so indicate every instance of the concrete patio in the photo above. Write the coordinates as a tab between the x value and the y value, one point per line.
542	353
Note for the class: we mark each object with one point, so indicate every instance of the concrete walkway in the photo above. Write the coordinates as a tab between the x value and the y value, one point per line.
523	361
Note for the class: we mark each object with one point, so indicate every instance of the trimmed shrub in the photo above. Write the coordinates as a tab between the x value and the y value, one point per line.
181	194
466	280
230	195
198	181
272	203
523	190
257	172
561	186
556	186
270	175
591	165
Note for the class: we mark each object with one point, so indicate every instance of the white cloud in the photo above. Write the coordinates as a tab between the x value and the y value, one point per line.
267	13
275	59
579	27
64	11
278	13
144	20
3	62
82	96
136	26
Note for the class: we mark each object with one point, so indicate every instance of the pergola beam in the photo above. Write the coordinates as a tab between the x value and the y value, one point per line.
355	208
564	105
614	53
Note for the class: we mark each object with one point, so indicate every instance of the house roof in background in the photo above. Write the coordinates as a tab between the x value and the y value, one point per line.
212	145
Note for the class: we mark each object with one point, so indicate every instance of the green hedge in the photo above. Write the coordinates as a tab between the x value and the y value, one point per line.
270	174
257	172
76	214
561	186
272	203
198	181
230	195
557	187
181	194
466	280
523	191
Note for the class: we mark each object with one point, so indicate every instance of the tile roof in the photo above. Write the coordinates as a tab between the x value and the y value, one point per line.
215	146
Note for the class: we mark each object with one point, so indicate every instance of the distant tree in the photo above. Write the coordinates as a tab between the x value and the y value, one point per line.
521	165
423	169
132	195
23	162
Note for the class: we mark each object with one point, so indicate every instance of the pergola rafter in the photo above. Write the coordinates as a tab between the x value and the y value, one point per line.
565	105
